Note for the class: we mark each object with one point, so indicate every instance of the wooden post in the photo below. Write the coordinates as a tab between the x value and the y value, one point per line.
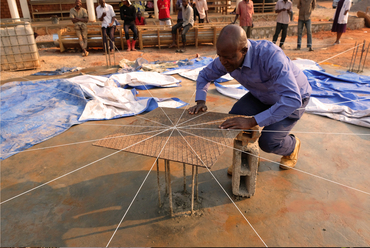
159	39
263	6
121	36
141	39
196	37
60	32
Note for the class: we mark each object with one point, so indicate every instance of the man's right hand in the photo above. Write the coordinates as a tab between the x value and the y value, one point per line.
200	107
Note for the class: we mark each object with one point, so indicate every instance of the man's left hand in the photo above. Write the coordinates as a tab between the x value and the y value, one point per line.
244	123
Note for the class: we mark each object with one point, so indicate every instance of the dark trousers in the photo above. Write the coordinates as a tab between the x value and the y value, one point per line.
184	30
201	20
279	27
275	138
110	31
133	28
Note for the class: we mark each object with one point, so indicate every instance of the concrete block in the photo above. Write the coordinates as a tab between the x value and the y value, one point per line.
245	163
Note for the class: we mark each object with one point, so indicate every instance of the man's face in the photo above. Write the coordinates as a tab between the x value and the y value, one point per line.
231	57
184	3
102	3
78	3
138	14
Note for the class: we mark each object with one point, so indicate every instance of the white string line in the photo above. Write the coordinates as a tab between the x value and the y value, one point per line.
119	125
204	123
222	188
341	53
177	123
274	131
151	168
308	173
196	116
77	143
152	121
79	168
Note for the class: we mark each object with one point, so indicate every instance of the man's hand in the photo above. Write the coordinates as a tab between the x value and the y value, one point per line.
200	107
103	15
244	123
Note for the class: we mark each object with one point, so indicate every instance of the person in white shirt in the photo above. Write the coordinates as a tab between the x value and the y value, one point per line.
202	10
107	16
341	19
283	9
184	26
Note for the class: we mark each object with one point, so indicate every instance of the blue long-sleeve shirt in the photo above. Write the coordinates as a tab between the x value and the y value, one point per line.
269	75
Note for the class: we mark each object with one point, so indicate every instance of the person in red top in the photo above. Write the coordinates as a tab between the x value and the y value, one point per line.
246	11
164	12
139	20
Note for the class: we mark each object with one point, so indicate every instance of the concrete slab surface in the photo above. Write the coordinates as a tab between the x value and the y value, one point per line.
67	192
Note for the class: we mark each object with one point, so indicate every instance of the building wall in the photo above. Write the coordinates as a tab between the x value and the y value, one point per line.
5	12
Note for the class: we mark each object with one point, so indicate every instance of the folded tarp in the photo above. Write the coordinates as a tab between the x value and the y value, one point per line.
32	112
59	71
110	101
345	97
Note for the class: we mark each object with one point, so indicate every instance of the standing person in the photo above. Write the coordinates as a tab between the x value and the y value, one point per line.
202	8
128	15
140	20
179	9
79	17
278	91
341	19
184	26
304	18
164	12
195	11
106	15
245	10
283	8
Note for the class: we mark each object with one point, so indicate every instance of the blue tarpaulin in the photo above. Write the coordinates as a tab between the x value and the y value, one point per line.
32	112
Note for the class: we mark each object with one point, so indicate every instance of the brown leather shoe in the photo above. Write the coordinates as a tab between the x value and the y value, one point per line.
230	170
290	161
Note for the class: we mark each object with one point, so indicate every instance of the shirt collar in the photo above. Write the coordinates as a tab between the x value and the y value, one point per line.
248	57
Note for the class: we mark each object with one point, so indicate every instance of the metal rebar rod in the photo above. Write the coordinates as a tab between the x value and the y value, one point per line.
159	186
350	64
169	187
184	169
362	53
354	61
110	64
367	51
106	54
196	184
192	189
165	176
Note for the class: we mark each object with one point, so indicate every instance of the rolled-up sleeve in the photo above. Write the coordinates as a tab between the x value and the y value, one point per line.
286	86
211	72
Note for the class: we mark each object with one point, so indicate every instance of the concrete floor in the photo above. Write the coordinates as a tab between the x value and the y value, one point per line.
311	206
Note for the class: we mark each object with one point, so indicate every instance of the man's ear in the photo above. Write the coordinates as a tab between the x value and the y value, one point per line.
244	50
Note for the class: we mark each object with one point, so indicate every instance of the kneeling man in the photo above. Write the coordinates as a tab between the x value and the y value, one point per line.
278	91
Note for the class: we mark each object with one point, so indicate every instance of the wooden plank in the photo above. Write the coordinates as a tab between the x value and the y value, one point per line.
159	40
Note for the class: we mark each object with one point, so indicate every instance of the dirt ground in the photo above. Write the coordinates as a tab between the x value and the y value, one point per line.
325	53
